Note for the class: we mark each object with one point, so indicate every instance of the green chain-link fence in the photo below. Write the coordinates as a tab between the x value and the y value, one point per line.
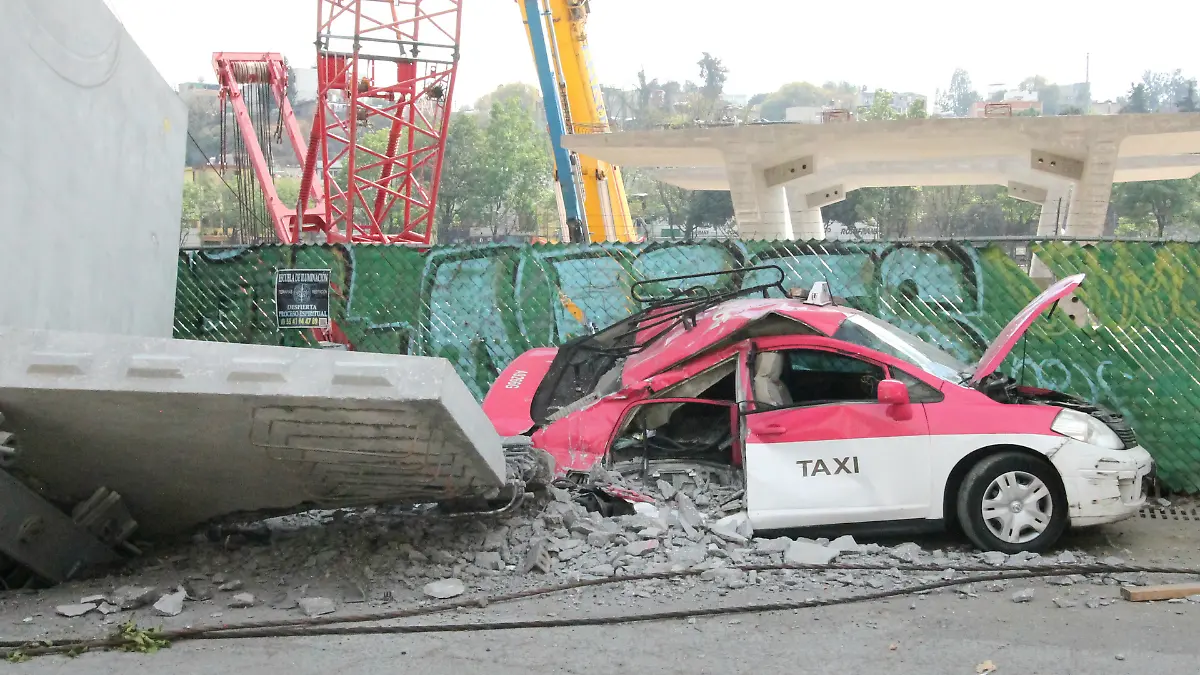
1128	339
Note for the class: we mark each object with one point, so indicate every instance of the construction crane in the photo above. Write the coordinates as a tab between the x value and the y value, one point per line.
592	200
373	162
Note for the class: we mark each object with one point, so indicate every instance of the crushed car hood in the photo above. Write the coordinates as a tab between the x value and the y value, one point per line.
1003	344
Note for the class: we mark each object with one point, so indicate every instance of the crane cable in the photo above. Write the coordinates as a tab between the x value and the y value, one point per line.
241	204
324	625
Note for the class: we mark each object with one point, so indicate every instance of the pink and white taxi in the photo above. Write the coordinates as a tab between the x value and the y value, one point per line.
827	416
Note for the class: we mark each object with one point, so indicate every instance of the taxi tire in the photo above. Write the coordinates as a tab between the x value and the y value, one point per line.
969	504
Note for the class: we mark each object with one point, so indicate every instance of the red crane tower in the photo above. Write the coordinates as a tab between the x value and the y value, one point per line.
372	164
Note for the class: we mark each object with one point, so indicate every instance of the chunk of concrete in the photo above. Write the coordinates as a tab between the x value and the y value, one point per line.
242	600
299	428
538	557
642	547
316	606
809	553
444	589
845	544
777	545
489	560
72	611
170	604
133	597
690	518
1023	595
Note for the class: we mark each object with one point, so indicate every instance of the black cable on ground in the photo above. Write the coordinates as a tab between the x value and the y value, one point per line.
323	625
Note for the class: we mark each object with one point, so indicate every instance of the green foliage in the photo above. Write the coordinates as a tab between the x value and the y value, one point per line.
141	640
1188	103
462	165
1139	101
514	170
881	108
894	210
958	99
1150	207
775	105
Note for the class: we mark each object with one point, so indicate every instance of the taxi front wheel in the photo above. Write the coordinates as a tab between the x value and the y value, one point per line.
1012	502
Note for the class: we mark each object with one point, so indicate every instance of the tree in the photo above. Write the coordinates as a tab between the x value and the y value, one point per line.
945	207
516	174
1138	100
529	98
893	210
794	94
463	164
713	74
1159	203
707	207
1164	90
1188	102
916	110
959	98
881	107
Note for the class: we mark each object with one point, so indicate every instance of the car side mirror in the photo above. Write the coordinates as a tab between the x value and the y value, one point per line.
893	392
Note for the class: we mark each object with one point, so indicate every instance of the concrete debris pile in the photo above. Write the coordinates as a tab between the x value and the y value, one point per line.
337	560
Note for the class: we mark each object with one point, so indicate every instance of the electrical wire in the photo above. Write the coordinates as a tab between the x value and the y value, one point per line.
242	206
325	625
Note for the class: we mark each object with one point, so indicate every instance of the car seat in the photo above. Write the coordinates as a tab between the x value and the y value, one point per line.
768	387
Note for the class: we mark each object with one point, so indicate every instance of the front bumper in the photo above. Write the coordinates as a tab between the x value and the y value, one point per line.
1103	486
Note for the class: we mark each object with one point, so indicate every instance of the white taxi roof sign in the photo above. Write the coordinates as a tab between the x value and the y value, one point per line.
819	294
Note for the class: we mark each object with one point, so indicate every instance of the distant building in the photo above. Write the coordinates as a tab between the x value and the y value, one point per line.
305	82
804	114
1105	107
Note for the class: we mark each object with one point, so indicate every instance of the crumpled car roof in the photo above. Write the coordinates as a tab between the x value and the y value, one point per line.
718	323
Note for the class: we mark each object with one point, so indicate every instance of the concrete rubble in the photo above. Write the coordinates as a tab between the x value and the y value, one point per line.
311	564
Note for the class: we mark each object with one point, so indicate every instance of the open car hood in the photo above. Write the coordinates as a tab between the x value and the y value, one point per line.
1003	344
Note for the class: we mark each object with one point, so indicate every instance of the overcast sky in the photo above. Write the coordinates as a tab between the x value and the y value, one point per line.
903	46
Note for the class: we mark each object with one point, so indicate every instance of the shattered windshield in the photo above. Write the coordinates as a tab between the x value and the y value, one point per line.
867	331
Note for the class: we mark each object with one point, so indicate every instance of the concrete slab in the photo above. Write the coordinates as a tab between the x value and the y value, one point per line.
190	431
92	177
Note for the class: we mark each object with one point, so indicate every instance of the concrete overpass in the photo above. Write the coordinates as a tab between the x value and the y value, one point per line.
780	175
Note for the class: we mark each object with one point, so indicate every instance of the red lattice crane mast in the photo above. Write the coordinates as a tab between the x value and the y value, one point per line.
372	164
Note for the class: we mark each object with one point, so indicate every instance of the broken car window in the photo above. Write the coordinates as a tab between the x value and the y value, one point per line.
867	331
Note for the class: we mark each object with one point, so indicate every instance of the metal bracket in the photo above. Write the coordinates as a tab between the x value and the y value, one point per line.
37	535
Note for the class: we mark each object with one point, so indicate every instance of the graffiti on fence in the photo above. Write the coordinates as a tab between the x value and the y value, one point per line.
481	306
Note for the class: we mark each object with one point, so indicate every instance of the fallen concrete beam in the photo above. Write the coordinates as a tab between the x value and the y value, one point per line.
188	431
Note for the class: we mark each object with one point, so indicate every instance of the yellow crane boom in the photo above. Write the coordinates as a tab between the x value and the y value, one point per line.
605	207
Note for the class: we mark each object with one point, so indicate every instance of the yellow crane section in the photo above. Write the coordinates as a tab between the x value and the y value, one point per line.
605	205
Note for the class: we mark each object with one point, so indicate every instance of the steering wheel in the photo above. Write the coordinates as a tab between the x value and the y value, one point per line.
870	385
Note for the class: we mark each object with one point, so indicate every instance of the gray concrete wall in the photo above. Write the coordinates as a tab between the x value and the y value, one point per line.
91	164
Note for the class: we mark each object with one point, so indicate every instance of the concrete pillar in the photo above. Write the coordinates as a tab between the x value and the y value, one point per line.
1089	199
807	224
1053	220
761	210
1054	211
